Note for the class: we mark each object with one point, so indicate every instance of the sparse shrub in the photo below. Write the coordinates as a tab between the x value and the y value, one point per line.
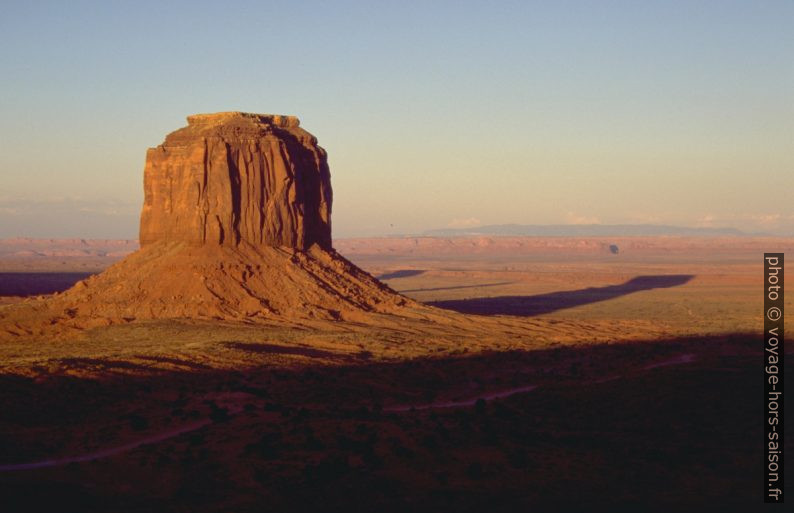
268	447
331	468
518	458
138	423
401	451
474	471
218	414
430	442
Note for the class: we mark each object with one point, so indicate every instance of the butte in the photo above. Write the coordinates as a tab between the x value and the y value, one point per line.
235	226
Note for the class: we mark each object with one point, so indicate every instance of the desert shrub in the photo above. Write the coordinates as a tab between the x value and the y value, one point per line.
138	423
475	470
517	457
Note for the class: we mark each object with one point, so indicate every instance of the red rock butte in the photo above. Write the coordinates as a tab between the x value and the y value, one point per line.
236	225
234	176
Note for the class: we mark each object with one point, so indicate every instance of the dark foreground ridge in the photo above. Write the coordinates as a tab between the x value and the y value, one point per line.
625	424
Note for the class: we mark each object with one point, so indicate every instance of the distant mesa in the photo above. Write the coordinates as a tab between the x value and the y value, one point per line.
585	230
235	225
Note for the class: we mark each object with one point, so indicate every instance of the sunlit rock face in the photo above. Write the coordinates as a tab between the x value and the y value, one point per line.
232	177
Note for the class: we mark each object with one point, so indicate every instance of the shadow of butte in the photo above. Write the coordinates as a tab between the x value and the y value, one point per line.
35	283
541	304
455	287
401	273
253	347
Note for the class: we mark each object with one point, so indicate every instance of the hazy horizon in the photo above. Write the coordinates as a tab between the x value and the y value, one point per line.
455	114
107	231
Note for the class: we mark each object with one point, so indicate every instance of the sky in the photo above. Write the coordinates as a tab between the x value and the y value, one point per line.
434	114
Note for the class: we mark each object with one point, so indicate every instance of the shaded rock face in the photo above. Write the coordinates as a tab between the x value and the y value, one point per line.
232	177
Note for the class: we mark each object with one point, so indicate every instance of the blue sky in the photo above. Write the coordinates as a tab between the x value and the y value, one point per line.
434	114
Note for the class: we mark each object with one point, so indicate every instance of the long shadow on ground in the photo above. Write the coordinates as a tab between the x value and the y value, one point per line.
401	273
457	287
547	303
32	284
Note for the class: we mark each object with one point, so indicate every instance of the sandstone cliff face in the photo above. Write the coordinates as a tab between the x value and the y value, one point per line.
233	177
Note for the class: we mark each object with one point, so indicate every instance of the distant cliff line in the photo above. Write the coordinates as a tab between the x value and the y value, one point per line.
35	249
587	230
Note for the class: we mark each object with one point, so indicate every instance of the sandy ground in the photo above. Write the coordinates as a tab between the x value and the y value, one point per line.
630	378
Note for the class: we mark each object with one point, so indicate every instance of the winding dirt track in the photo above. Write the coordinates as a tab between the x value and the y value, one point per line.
193	426
112	451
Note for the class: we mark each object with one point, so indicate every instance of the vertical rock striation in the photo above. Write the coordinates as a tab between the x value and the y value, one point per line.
231	177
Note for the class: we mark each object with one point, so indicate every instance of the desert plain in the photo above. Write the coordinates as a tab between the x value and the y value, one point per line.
595	373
